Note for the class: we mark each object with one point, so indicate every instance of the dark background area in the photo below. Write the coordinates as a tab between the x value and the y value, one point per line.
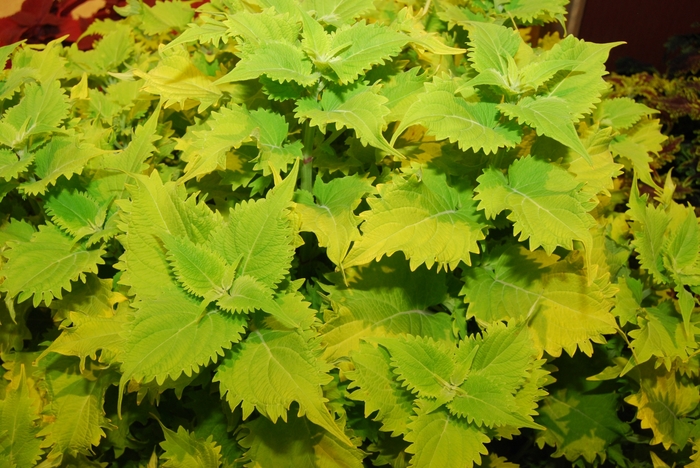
644	24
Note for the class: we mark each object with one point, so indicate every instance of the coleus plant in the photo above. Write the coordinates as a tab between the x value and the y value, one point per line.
338	233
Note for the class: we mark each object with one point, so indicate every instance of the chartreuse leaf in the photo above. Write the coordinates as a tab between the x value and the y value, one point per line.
296	443
439	439
108	182
581	85
423	366
473	125
599	176
184	450
279	61
208	30
545	203
45	265
402	90
61	156
492	47
171	336
423	217
358	107
580	423
19	414
383	299
363	46
163	17
10	166
332	218
89	334
621	113
635	144
662	334
376	385
563	311
41	110
530	10
663	404
337	12
199	270
260	234
205	149
267	26
271	131
270	370
177	79
550	117
77	213
77	417
650	225
170	333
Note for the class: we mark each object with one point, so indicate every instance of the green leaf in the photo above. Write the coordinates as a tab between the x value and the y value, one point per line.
581	86
636	143
650	225
621	113
496	366
545	203
45	265
184	450
357	107
260	234
423	217
61	156
176	79
270	370
384	298
296	443
271	131
361	47
563	311
402	90
264	27
279	61
41	110
549	116
662	334
492	46
439	439
199	270
580	423
205	149
109	180
209	31
75	212
10	166
163	17
77	418
171	335
423	366
473	125
332	218
337	12
19	415
375	384
531	10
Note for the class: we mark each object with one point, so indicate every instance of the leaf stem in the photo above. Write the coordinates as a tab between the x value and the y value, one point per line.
307	175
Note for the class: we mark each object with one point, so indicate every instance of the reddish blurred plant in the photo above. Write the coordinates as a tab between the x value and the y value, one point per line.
40	21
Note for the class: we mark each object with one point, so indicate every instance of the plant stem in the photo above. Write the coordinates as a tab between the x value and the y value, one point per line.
307	175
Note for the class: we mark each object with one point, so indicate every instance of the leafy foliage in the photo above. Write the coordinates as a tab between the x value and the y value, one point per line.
338	233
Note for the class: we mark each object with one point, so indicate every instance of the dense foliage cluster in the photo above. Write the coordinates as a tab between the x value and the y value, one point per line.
321	233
